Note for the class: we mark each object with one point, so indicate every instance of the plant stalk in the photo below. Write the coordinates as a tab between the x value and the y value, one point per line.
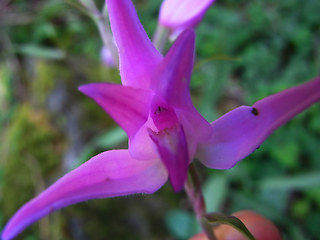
194	192
102	22
161	37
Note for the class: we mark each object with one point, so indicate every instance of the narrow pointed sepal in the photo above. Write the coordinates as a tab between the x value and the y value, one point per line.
109	174
128	106
173	150
174	73
137	55
175	70
239	132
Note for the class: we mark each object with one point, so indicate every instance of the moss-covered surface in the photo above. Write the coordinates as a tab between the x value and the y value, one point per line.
31	154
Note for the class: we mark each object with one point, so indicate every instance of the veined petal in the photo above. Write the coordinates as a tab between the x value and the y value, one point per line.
173	150
239	132
109	174
182	14
173	75
138	56
128	106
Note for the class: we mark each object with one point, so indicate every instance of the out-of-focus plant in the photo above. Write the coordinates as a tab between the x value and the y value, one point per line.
175	16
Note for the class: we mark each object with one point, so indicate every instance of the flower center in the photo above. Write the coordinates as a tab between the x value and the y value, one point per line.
164	117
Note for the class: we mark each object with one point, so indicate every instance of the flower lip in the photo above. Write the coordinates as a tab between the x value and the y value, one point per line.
172	148
163	115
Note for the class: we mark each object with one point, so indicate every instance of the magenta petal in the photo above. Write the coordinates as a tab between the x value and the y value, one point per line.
175	71
239	132
128	106
109	174
141	146
173	150
138	56
179	15
201	133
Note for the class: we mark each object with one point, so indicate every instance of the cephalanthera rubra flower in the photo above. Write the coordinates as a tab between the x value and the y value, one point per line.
166	132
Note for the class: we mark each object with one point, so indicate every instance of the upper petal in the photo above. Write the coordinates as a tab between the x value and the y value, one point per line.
239	132
109	174
137	55
128	106
182	14
173	74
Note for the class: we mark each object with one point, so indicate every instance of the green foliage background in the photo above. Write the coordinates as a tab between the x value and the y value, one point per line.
246	50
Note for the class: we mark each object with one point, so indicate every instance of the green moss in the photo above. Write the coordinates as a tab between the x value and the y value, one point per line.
43	81
32	151
47	74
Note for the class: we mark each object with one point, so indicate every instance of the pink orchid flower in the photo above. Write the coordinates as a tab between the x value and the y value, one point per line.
179	15
165	131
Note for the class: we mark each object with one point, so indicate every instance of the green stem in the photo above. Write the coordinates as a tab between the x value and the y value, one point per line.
103	25
160	37
107	38
194	193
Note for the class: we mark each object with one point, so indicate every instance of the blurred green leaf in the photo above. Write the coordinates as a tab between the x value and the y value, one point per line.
314	194
220	218
31	237
181	224
52	8
45	31
276	198
287	153
301	208
107	140
301	181
312	224
111	138
215	191
39	51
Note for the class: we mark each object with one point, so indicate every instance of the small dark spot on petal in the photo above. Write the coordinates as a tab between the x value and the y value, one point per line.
160	110
255	111
258	147
107	179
